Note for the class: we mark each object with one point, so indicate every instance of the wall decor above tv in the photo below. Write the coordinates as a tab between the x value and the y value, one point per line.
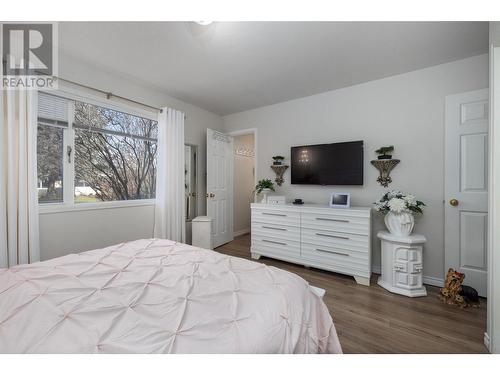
328	164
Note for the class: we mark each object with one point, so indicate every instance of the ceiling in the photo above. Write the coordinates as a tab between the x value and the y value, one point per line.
228	67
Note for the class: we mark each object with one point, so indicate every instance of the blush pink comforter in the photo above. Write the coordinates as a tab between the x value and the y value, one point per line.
159	296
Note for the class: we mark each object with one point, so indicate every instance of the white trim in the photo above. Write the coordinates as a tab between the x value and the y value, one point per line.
428	280
434	281
69	167
53	208
241	232
493	319
486	341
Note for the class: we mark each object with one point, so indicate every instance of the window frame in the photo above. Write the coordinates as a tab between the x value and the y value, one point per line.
68	204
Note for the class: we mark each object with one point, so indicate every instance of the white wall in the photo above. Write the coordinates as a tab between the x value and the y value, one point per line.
243	183
64	233
406	111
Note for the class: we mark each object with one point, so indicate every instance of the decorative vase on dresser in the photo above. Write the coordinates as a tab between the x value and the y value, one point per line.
402	264
333	239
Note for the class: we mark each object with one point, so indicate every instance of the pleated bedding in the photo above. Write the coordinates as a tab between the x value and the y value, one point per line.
159	296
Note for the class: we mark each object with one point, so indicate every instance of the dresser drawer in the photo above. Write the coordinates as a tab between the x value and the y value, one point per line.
279	231
276	216
333	239
333	256
275	247
336	222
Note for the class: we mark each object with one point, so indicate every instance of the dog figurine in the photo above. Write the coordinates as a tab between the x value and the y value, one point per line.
450	293
454	293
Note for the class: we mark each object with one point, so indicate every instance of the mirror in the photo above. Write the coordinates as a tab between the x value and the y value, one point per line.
190	184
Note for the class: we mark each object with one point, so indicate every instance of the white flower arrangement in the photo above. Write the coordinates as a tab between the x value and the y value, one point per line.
399	202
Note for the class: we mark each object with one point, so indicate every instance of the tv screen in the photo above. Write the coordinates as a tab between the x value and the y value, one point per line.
328	164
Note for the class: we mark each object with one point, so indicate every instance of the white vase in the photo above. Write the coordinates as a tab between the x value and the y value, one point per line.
264	193
399	224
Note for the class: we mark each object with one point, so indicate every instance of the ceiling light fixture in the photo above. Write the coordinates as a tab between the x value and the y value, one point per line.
204	23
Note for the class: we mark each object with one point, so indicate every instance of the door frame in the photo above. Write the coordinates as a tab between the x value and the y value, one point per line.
492	335
255	144
247	131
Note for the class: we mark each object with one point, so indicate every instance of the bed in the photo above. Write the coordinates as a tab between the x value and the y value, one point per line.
159	296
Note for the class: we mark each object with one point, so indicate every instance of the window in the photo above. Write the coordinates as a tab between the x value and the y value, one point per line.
52	122
89	153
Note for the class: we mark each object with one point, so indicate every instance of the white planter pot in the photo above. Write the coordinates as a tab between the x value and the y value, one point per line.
399	224
264	195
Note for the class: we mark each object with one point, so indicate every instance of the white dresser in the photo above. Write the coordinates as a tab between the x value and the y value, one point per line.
334	239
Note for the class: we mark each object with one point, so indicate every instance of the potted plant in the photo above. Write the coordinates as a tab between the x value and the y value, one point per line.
278	160
399	208
264	187
385	152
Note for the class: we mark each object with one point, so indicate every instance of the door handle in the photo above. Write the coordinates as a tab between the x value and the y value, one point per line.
212	195
454	202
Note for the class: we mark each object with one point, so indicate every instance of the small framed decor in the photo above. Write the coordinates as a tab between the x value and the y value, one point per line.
340	200
276	199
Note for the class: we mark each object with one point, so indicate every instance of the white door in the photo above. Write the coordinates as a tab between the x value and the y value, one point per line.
220	160
466	186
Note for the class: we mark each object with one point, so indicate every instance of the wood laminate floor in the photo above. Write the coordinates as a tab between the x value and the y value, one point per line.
373	320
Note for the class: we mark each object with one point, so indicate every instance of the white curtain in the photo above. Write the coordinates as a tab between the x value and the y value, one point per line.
19	242
170	216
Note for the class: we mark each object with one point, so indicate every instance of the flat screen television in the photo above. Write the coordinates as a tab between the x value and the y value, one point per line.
328	164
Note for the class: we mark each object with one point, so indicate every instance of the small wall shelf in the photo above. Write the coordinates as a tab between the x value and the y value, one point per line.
385	166
279	170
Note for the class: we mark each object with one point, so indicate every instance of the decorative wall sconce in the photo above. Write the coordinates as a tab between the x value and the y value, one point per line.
385	166
279	170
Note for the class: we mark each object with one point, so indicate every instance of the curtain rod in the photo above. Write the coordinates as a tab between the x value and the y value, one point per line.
109	95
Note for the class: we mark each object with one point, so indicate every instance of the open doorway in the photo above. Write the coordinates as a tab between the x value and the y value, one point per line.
190	187
244	179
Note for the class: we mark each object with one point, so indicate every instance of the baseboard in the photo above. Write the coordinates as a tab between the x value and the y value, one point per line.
434	281
241	232
428	280
487	341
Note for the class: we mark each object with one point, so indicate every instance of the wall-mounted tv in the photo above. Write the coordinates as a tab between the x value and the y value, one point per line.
328	164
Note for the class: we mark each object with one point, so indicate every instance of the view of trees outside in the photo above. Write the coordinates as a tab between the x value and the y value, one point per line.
114	156
50	164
